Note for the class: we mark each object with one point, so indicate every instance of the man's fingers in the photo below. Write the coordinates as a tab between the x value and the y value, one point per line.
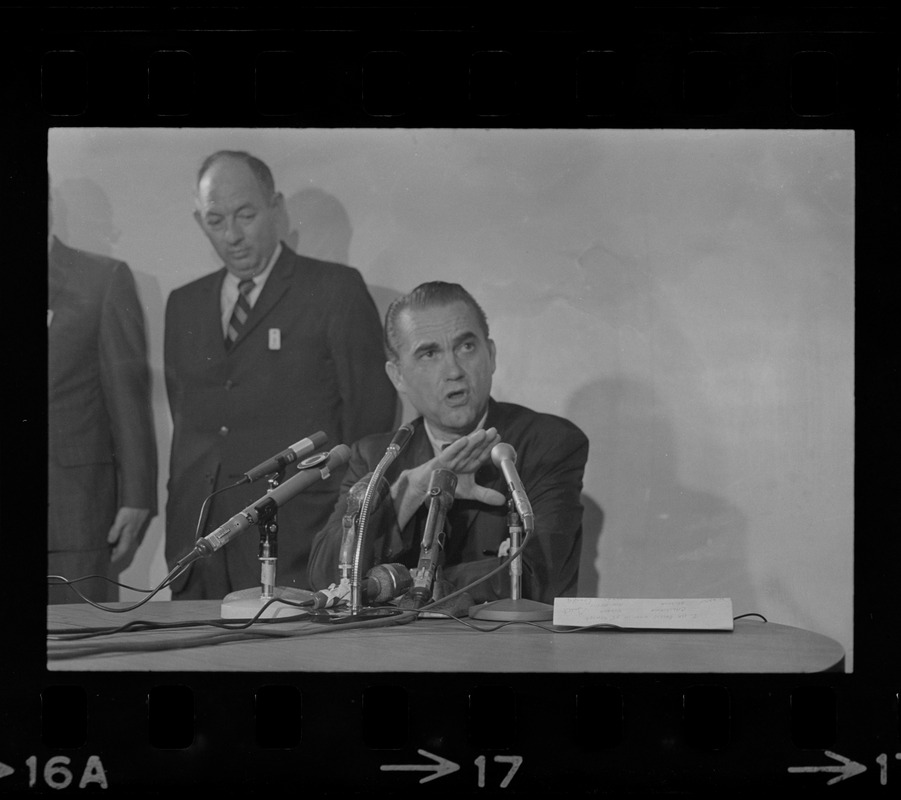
469	452
115	533
465	445
483	494
125	542
468	489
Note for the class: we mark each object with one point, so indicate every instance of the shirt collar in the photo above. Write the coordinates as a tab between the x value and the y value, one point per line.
260	278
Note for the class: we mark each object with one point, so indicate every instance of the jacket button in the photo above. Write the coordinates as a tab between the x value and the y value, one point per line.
229	384
223	431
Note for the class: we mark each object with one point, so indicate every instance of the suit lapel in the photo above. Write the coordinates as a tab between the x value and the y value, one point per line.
417	451
210	336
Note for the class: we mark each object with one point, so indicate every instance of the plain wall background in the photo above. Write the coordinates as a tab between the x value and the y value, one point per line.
686	297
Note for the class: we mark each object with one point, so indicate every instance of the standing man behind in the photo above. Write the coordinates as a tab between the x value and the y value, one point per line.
102	461
441	358
252	368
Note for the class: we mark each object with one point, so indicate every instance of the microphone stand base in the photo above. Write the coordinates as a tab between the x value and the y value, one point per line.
330	617
512	610
246	604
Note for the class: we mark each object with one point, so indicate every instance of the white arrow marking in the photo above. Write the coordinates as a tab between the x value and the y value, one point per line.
441	767
848	768
5	769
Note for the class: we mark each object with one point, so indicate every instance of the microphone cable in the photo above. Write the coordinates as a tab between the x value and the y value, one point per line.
237	633
60	580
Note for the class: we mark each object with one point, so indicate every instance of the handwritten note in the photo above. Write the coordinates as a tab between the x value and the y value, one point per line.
697	614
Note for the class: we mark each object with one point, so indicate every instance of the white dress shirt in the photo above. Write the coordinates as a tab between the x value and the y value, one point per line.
229	294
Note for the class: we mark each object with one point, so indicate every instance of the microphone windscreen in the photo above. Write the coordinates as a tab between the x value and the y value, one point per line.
502	452
357	493
384	582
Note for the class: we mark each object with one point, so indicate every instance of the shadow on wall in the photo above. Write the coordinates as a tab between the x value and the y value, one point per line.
592	523
82	208
661	538
317	225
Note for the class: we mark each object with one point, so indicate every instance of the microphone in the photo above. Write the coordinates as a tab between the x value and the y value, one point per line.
504	458
403	435
355	496
274	498
357	493
383	583
281	460
442	485
400	439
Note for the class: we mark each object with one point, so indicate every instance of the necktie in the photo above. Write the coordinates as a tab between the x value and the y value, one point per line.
239	315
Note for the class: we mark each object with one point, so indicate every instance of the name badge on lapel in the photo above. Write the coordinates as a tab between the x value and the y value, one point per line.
275	339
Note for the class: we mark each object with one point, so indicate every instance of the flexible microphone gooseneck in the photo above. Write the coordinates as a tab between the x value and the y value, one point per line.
403	435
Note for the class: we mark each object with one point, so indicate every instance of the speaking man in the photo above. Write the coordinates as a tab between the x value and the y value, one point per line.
441	358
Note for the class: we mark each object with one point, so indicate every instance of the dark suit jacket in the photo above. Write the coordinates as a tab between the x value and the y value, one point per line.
101	446
233	409
551	455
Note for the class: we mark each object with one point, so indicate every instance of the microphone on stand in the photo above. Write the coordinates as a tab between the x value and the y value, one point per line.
519	518
504	458
442	486
273	499
400	439
287	456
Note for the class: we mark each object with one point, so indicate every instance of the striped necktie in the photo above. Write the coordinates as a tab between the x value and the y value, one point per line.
239	315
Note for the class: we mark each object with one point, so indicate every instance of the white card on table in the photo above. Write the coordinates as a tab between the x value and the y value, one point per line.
702	614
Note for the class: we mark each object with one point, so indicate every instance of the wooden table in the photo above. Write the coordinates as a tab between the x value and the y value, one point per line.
424	645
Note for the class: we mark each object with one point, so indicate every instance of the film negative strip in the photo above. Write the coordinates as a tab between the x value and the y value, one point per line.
805	699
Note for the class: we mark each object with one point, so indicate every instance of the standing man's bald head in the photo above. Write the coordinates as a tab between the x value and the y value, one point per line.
238	209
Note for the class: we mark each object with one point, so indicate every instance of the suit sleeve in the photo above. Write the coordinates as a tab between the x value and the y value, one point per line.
125	382
552	478
368	399
551	557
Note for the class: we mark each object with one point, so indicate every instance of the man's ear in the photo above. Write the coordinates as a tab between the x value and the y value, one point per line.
394	374
493	352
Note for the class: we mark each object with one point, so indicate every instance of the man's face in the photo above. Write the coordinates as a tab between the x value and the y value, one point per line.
239	219
444	365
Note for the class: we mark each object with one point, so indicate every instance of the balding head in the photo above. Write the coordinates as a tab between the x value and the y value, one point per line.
238	208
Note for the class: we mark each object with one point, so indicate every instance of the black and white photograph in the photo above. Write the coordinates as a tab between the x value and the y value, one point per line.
636	344
450	400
